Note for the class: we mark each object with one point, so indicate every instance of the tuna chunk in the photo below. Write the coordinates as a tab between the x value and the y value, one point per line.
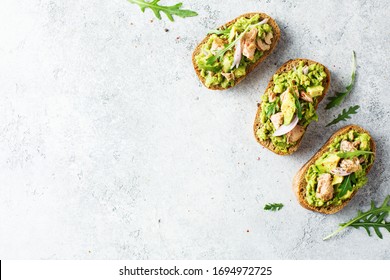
228	76
324	187
262	46
218	44
305	97
271	96
249	43
347	146
277	119
350	165
268	38
283	95
295	134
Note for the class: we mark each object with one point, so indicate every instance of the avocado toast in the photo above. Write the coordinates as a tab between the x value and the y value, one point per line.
228	54
289	104
329	180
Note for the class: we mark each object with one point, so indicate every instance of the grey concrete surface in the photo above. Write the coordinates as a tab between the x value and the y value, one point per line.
112	149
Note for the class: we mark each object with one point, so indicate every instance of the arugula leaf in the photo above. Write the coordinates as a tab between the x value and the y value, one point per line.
339	96
345	186
273	206
169	11
299	107
345	114
353	178
375	218
353	154
271	109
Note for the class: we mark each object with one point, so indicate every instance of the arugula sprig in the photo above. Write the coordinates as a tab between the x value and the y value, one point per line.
273	206
375	219
271	109
339	96
169	11
347	185
344	115
353	154
299	108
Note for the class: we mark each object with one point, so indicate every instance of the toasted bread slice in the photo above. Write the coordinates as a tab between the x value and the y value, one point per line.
299	182
276	34
285	68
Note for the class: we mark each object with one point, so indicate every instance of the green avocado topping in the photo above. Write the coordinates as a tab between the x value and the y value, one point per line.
294	93
216	57
350	155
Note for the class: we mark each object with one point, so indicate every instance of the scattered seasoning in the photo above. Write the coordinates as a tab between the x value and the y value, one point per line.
178	38
247	230
166	29
258	158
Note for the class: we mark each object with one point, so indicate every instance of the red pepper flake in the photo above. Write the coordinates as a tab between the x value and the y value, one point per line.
258	158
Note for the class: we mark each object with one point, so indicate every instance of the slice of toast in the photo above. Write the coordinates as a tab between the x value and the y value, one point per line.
285	68
276	34
299	182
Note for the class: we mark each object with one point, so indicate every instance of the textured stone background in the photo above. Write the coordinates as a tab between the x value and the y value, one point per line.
112	149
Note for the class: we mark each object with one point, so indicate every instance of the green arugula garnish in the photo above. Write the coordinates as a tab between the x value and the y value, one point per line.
170	11
345	114
339	96
273	206
299	107
353	154
271	109
375	218
346	185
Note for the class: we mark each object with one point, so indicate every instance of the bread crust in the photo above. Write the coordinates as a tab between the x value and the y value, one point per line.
276	34
299	182
287	66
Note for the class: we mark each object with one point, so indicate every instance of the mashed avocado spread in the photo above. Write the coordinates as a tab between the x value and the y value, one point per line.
340	171
295	93
229	51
